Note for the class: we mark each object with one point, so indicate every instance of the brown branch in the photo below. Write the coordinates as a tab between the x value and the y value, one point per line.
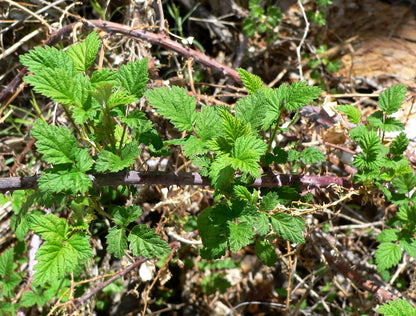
184	178
166	42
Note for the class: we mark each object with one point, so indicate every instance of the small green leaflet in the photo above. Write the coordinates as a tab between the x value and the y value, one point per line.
83	54
174	104
6	263
240	235
123	216
9	278
275	99
252	109
353	114
399	144
311	155
404	183
49	226
233	126
392	99
370	157
133	77
109	161
288	227
71	181
208	123
387	255
117	241
299	94
252	82
386	124
145	242
57	144
266	253
400	307
40	58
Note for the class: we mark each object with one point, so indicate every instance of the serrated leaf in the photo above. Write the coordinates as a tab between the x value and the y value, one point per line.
404	183
240	235
252	82
370	157
266	253
120	98
80	243
193	146
9	283
212	232
103	75
57	144
353	114
388	124
208	123
84	54
124	216
145	242
387	255
221	172
251	109
40	58
299	94
274	99
54	260
175	105
242	193
83	160
49	226
6	263
269	201
116	241
388	235
399	144
288	227
138	119
60	86
109	161
400	307
234	127
70	181
133	77
392	99
311	155
246	153
408	243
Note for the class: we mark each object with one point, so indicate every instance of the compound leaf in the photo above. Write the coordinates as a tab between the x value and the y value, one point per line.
400	307
311	155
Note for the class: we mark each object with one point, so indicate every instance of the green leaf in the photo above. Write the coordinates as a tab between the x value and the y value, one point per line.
137	118
399	144
252	82
193	146
70	181
269	201
392	99
123	216
212	231
400	307
145	242
120	97
60	86
387	255
83	160
81	246
174	104
388	235
251	109
57	144
353	114
288	227
311	155
274	99
221	173
234	127
388	124
208	123
266	253
40	58
242	193
49	226
246	154
134	76
55	258
9	283
240	235
84	54
299	94
103	75
370	157
408	243
109	161
116	241
6	263
405	183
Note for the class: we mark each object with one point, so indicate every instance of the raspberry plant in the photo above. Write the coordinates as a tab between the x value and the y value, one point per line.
105	131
